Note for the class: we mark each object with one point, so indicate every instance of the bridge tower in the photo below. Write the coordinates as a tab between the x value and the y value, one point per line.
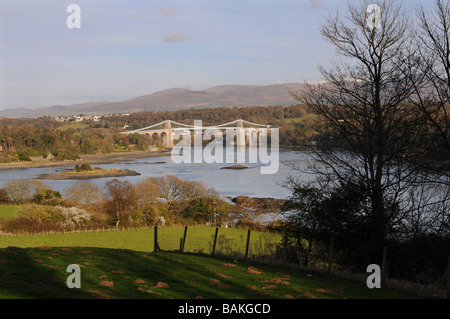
240	133
168	138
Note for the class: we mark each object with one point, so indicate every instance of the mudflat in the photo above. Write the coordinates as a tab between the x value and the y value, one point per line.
89	159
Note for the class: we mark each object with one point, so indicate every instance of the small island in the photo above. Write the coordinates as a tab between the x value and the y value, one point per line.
85	171
237	166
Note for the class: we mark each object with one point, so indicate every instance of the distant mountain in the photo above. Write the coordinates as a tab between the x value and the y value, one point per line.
173	99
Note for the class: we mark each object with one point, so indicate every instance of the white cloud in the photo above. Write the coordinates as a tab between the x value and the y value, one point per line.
317	4
168	12
175	37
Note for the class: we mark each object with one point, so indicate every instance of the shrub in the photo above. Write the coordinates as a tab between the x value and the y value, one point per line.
41	218
86	167
41	213
74	217
63	154
23	156
45	194
4	198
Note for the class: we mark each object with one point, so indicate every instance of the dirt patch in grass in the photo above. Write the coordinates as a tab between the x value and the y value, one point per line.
106	283
270	286
320	290
307	295
223	276
223	286
252	270
161	284
277	280
148	291
214	281
117	271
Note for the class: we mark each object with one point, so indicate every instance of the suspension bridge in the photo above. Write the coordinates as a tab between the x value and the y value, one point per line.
244	132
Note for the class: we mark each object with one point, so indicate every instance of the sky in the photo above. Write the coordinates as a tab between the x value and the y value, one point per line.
128	48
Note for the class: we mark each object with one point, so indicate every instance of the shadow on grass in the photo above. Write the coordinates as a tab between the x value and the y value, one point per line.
24	275
40	273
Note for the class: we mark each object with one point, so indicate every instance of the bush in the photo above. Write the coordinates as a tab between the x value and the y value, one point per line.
74	217
45	194
63	154
4	198
41	218
41	213
86	167
23	156
83	167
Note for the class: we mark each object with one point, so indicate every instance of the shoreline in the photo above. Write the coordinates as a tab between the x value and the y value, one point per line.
73	175
109	158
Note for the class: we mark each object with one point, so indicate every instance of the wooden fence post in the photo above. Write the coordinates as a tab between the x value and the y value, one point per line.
448	279
284	250
215	241
184	238
155	239
384	267
330	254
248	244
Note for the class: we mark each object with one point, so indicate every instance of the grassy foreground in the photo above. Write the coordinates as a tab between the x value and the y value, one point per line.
121	274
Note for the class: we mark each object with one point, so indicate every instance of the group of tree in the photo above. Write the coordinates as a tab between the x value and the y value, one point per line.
386	104
21	139
117	204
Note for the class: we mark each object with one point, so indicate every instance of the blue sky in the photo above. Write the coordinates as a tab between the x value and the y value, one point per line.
127	48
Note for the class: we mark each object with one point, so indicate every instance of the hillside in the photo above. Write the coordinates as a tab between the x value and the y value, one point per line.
173	99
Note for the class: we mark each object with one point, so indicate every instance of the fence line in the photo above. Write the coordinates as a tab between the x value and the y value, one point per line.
393	268
438	283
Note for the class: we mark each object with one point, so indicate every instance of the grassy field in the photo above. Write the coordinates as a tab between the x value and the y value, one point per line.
198	239
8	211
121	274
122	264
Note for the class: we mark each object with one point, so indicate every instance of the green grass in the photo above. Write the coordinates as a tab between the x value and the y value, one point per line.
198	239
8	211
34	266
120	273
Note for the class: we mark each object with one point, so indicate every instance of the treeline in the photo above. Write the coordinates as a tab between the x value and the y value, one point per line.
164	200
21	139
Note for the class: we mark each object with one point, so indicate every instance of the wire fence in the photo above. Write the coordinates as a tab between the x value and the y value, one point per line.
417	274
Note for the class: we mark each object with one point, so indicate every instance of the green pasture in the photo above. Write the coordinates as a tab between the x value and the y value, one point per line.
8	211
198	239
39	273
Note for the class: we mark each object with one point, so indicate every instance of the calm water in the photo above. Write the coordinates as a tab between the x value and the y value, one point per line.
247	182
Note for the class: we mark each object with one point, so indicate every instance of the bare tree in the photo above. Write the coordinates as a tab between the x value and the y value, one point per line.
121	199
23	190
147	198
84	193
433	38
175	191
364	101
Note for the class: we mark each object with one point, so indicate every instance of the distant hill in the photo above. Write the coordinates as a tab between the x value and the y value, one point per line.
173	99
